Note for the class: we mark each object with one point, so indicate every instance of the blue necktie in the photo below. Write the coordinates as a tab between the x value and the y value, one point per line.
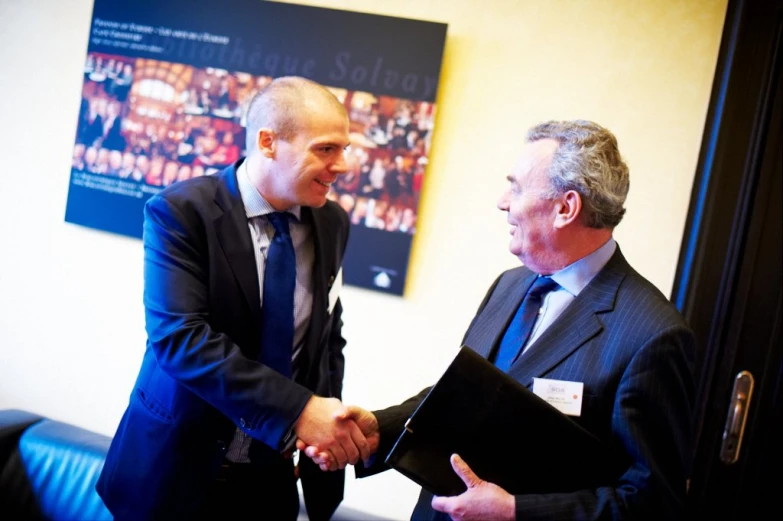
521	325
277	305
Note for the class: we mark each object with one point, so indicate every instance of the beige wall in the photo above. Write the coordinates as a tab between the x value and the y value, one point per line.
71	321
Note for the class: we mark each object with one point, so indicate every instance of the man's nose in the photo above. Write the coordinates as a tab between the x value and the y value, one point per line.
503	202
340	166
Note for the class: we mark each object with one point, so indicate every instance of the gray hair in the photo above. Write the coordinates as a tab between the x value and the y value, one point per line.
588	162
284	105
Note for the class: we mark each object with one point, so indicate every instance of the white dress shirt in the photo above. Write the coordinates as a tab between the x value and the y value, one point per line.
262	231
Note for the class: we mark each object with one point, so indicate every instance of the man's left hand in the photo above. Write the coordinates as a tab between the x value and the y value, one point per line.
483	501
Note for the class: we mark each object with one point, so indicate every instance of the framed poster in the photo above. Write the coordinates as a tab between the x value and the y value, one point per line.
166	84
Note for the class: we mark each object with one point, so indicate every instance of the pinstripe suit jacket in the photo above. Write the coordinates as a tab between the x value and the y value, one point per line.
634	353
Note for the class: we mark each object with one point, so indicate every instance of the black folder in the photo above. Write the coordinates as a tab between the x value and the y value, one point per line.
504	432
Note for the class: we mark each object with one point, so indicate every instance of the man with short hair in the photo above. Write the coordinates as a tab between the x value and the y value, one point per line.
244	351
154	176
141	169
595	321
128	165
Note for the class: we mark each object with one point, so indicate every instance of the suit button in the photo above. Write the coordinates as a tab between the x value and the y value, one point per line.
242	423
221	445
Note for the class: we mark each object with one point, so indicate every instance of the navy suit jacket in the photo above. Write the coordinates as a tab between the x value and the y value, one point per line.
634	353
200	377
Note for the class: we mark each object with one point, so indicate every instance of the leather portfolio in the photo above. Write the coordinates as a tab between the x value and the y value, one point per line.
504	432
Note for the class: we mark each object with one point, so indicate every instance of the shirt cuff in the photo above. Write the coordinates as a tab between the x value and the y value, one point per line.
289	441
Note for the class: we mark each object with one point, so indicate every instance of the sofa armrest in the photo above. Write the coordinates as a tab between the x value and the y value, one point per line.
53	472
13	423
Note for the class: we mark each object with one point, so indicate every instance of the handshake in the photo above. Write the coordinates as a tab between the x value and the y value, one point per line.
334	435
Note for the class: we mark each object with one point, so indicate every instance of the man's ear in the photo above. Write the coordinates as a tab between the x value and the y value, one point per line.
568	207
266	139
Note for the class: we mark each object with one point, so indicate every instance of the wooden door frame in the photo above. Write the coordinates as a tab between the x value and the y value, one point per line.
708	286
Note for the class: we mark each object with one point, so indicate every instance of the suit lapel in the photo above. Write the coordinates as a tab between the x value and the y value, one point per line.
495	317
575	326
323	244
233	235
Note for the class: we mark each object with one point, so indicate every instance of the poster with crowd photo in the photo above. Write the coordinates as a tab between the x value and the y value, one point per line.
167	83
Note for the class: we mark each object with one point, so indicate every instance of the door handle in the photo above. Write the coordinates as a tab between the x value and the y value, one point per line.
734	429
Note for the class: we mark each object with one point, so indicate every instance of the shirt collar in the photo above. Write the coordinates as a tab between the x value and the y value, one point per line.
576	276
254	202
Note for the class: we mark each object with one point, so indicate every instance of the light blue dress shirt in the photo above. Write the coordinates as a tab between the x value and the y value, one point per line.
572	279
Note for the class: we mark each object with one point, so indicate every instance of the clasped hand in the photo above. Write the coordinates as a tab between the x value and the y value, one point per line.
333	435
348	434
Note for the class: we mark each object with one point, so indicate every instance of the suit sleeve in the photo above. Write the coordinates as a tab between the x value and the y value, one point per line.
259	400
391	422
651	422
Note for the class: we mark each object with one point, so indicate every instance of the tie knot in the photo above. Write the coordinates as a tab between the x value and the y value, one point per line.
280	221
541	286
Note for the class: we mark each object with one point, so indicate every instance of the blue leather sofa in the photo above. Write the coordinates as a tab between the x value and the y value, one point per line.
48	471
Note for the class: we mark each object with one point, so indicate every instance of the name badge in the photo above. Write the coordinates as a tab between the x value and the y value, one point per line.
334	291
564	396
